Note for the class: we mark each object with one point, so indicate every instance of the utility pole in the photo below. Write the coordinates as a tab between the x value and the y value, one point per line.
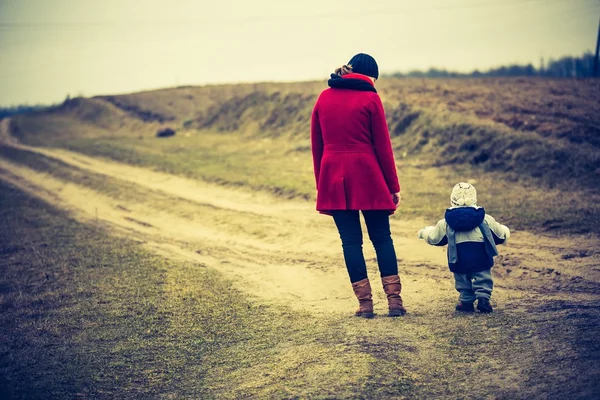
597	52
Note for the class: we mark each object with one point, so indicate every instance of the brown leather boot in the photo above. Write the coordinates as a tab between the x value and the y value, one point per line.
392	288
362	290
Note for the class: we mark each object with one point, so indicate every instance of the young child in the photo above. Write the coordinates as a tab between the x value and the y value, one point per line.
471	236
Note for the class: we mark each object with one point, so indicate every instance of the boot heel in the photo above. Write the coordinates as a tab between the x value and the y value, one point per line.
396	313
368	315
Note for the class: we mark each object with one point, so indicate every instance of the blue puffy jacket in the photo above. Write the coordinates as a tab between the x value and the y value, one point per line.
465	225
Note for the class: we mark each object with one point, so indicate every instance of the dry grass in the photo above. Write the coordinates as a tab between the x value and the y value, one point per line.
531	144
560	108
282	167
87	315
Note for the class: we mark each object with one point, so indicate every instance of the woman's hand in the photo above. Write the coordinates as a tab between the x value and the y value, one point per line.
396	199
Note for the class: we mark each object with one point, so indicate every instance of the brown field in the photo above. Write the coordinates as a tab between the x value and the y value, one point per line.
195	266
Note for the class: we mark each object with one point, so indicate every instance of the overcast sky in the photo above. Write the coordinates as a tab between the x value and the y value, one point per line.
51	48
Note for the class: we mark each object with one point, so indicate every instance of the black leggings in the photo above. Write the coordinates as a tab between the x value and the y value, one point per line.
378	226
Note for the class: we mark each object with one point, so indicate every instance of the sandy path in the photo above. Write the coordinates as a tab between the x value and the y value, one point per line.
283	252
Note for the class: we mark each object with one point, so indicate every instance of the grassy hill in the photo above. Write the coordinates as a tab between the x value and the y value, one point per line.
530	144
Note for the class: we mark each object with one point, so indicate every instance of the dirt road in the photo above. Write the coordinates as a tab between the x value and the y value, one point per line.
282	251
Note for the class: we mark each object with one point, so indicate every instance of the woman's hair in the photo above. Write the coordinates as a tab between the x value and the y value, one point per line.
343	70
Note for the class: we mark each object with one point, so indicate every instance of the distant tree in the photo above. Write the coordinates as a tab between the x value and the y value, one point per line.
20	109
566	67
416	74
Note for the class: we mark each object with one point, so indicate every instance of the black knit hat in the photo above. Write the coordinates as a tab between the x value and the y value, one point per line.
364	64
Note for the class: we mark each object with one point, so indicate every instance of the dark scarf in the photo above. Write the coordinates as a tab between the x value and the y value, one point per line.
351	82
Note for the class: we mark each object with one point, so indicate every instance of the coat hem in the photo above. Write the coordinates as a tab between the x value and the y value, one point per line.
328	211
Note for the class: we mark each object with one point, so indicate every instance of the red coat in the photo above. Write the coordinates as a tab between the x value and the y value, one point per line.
352	152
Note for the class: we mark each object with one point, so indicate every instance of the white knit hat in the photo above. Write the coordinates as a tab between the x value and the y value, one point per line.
463	194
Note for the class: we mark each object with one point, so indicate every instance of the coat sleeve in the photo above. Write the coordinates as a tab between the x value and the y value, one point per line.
316	139
436	235
382	144
500	232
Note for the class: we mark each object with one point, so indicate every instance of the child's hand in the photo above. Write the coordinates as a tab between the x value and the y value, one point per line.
426	231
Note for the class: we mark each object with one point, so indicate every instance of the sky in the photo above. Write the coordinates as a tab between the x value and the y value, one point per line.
53	48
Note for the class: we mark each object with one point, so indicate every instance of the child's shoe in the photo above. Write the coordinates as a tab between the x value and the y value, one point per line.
465	307
484	306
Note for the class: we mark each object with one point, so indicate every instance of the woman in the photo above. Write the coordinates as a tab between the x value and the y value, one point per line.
355	171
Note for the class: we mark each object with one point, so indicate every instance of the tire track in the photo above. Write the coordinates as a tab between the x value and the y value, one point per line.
283	249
